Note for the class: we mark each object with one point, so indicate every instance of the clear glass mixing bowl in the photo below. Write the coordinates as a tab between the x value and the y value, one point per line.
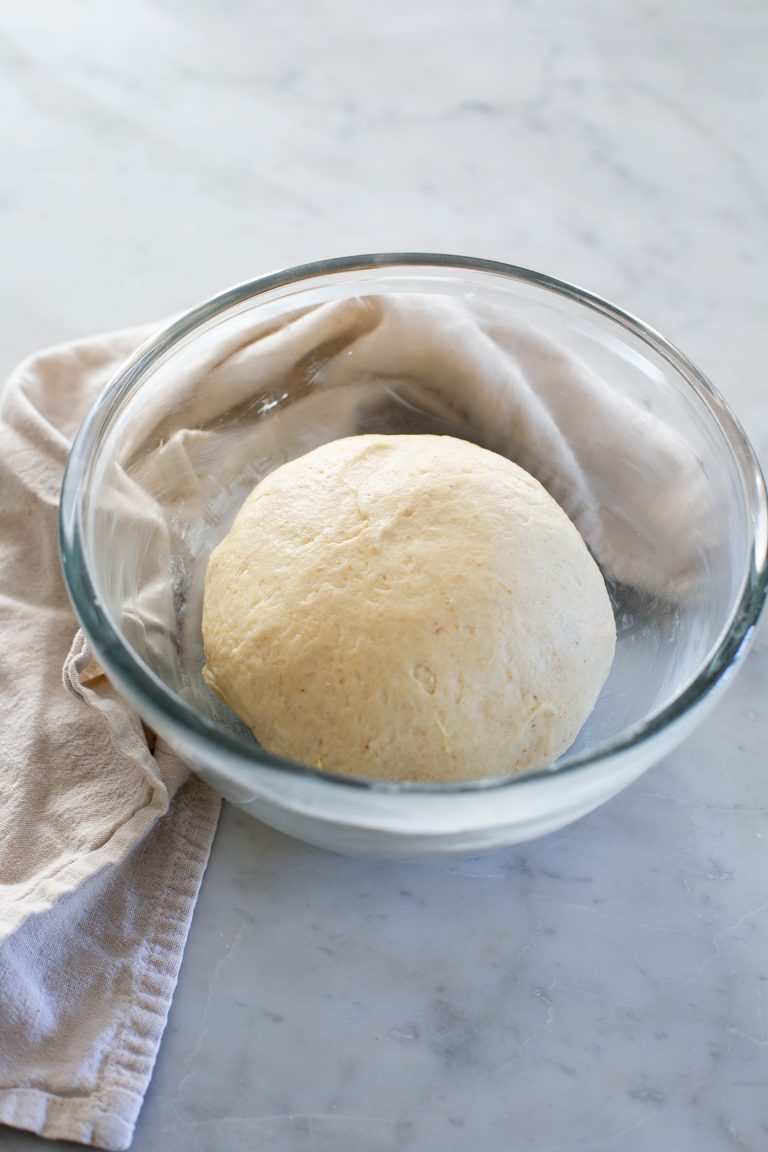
621	427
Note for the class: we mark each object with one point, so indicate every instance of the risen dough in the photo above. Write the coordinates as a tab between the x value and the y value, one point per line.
409	607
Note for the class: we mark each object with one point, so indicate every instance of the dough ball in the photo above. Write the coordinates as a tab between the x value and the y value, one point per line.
407	607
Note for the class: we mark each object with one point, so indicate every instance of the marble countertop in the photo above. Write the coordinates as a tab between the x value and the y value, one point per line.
605	988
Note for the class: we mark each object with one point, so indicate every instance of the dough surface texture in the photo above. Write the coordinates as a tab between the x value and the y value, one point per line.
409	608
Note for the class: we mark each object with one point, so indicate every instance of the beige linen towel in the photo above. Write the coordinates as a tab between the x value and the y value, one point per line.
103	836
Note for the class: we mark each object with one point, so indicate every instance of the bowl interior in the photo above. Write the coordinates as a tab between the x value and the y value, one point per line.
609	419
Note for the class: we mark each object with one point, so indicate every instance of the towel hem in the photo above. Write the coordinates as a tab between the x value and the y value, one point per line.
106	1117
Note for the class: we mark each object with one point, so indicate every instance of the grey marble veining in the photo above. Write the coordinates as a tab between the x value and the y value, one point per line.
605	988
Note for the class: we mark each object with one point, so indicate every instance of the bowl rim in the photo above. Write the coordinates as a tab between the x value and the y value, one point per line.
142	685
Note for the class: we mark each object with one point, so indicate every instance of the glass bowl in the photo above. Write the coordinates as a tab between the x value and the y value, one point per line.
615	421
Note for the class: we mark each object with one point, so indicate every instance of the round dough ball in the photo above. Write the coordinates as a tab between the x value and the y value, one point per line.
407	607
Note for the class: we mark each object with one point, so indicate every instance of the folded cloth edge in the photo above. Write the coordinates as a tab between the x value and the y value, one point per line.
107	1117
45	888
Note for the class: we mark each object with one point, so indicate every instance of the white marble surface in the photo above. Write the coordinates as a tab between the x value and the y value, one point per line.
607	987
